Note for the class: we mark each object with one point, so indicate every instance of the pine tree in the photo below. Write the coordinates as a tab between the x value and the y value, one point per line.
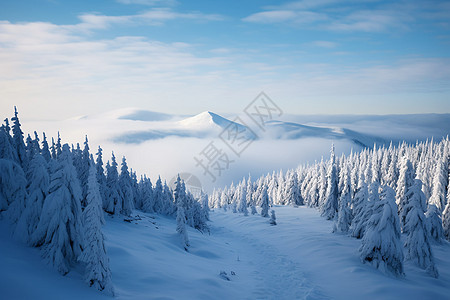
180	200
417	242
362	208
243	199
169	206
273	218
97	273
126	192
12	190
59	229
146	190
446	216
434	220
37	190
158	196
292	192
381	244
264	200
330	206
405	181
205	206
344	215
101	177
7	150
439	183
45	150
18	143
113	199
83	174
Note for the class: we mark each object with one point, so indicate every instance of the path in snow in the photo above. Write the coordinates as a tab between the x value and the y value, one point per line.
301	259
277	276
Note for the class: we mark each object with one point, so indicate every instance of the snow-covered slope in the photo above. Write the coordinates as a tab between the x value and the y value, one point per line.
297	259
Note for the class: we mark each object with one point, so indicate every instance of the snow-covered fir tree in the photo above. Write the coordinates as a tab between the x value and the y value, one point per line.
37	189
344	215
97	271
330	205
125	188
434	221
273	218
438	194
264	200
113	204
404	183
59	231
381	245
417	244
180	200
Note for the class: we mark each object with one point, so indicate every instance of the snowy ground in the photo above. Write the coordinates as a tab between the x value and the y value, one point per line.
297	259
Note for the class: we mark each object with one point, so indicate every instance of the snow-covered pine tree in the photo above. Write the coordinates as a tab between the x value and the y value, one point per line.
344	215
37	189
205	206
381	245
169	206
439	184
97	272
362	207
125	188
180	199
243	199
404	183
292	192
12	190
434	221
158	196
6	148
101	177
273	218
45	150
18	142
83	172
264	200
330	206
59	231
446	216
146	191
417	242
137	199
113	199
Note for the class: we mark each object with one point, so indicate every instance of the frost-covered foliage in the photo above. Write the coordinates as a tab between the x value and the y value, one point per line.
125	189
180	200
97	273
113	204
381	246
330	206
37	190
273	218
59	229
264	199
434	220
12	190
417	244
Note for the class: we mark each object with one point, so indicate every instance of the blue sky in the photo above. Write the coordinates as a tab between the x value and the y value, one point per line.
64	58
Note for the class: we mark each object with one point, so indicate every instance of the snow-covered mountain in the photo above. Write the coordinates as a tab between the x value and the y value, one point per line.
209	125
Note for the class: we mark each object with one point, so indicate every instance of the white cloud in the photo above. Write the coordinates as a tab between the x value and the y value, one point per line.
281	16
353	16
324	44
150	2
371	21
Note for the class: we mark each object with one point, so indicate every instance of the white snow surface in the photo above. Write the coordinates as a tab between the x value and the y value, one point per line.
297	259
